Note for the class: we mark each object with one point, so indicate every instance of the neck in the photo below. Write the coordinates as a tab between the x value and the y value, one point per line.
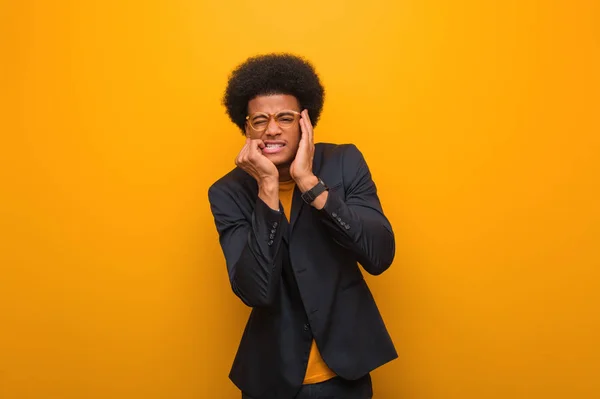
284	174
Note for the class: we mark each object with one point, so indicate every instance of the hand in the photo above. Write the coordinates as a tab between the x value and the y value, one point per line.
252	160
301	168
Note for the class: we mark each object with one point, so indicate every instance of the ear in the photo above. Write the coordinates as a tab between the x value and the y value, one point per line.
247	130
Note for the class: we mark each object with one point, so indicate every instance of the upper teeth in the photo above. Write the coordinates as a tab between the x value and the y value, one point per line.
274	145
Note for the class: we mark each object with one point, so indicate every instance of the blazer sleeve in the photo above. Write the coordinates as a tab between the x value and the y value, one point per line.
252	248
358	223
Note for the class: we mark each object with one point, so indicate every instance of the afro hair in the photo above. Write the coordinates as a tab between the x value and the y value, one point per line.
273	74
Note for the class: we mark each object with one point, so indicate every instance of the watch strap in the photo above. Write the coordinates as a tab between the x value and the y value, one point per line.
310	195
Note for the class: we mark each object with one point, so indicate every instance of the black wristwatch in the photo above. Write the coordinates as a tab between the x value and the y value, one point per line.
310	195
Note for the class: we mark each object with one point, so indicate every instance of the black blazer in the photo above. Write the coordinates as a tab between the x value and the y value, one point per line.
302	279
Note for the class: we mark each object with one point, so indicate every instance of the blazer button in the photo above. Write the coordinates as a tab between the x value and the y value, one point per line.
270	242
306	327
271	236
273	231
274	224
339	219
347	227
334	214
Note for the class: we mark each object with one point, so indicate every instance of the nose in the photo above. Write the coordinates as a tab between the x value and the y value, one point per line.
273	128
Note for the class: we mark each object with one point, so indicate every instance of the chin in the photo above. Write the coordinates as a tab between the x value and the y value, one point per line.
280	159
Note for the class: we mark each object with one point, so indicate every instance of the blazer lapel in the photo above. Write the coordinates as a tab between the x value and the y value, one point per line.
297	202
297	205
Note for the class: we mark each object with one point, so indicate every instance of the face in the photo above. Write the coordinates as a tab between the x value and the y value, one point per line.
281	142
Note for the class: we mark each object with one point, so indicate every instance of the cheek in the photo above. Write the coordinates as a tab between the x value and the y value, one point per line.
253	135
291	150
294	139
293	145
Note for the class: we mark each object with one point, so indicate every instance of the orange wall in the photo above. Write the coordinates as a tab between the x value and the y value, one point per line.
480	121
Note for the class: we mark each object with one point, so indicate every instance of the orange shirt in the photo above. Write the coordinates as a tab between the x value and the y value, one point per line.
316	370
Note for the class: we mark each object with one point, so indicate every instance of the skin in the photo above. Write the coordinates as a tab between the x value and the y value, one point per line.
293	161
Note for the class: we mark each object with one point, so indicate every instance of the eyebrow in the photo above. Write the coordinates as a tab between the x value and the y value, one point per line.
264	114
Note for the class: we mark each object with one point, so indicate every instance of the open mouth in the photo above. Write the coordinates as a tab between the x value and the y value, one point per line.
273	148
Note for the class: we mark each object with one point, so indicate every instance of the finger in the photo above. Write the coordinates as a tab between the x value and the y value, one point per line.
253	144
248	149
302	128
241	157
238	158
304	136
306	131
251	148
307	116
260	144
246	144
255	149
308	125
244	149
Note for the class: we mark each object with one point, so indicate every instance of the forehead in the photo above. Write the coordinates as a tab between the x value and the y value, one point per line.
273	103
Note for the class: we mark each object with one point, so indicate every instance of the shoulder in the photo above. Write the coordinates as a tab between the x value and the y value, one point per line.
338	164
328	150
343	155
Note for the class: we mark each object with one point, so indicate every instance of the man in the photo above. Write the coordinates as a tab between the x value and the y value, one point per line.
294	218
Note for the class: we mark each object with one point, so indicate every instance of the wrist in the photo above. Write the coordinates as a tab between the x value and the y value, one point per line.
268	191
318	196
269	185
305	183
